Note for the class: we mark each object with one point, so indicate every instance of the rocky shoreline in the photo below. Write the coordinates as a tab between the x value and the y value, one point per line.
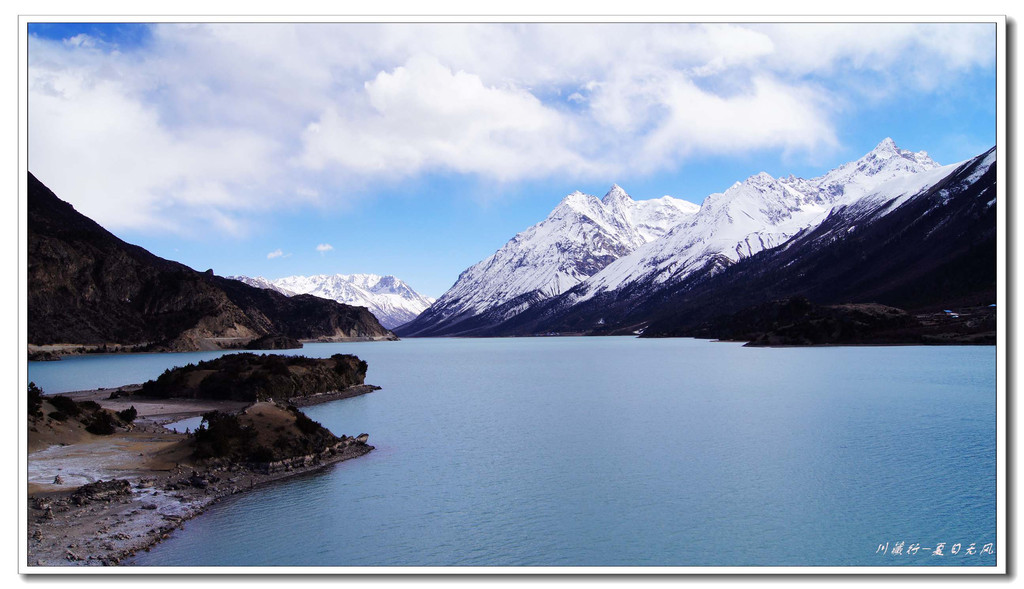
55	351
99	501
347	393
797	322
105	523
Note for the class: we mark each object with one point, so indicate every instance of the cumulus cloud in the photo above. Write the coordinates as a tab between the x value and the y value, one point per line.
900	48
96	137
210	126
768	115
324	247
422	115
275	254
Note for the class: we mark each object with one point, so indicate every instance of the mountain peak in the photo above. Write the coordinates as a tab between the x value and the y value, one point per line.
759	179
577	202
886	145
389	298
576	197
888	150
578	239
615	193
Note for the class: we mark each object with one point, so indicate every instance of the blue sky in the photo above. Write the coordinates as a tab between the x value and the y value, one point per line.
418	150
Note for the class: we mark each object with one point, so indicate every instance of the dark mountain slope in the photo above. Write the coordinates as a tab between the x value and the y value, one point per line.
86	286
935	251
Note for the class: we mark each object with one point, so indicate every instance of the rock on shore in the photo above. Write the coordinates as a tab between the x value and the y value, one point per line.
106	522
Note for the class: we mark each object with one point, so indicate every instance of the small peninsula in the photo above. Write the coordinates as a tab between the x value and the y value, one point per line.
253	377
107	479
796	321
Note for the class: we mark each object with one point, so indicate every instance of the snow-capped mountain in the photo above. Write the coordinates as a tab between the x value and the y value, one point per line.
261	282
581	236
617	271
763	212
922	243
391	300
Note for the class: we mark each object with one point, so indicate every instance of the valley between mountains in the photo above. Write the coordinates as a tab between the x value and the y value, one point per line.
893	228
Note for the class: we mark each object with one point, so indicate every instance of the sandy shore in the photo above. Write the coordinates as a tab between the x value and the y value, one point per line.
164	489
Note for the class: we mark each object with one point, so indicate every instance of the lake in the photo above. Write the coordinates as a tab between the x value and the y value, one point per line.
620	452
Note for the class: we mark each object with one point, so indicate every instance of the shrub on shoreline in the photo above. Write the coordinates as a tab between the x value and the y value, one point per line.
91	414
128	415
35	400
103	423
264	433
66	405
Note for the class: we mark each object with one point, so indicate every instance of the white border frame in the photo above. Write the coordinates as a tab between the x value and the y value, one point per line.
1002	301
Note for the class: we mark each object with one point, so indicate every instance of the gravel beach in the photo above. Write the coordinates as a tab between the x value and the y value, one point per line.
104	523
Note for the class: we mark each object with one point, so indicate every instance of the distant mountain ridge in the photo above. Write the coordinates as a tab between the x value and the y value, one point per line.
924	249
87	287
680	278
759	213
581	236
392	301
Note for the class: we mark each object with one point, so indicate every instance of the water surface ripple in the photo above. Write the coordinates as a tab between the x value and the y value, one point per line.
620	452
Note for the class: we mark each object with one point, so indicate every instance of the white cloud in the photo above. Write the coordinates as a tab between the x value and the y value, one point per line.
209	126
909	55
81	40
769	115
94	138
324	247
275	254
422	115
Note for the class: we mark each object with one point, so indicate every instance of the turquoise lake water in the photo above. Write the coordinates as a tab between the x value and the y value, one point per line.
620	452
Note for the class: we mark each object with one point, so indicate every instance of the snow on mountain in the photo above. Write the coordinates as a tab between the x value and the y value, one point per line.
924	241
589	246
762	212
391	300
582	235
261	282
